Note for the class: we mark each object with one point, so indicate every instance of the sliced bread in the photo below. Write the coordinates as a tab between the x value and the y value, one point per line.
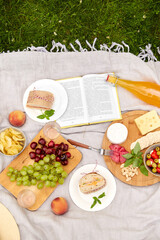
91	182
40	99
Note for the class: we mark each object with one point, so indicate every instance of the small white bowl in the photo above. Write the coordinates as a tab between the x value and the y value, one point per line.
24	144
117	133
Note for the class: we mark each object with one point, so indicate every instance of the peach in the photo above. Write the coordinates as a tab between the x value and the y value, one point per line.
17	118
59	205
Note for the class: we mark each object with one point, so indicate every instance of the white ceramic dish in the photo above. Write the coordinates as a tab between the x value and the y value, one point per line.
84	201
8	227
60	99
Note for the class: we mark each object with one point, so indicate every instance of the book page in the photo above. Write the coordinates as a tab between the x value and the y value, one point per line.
101	97
75	113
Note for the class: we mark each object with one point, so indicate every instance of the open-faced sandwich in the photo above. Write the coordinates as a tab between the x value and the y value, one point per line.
40	99
91	182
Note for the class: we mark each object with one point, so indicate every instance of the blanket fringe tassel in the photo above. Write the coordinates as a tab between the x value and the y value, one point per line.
145	54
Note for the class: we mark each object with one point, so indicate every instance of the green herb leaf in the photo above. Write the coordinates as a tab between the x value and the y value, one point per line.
132	152
41	116
102	195
140	161
94	203
98	201
49	113
128	162
127	156
139	154
135	162
144	170
137	148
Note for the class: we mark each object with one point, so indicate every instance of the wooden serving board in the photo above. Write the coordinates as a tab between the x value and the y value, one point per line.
23	159
133	135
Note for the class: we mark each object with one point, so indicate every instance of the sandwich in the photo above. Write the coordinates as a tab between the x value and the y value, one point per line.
40	99
91	182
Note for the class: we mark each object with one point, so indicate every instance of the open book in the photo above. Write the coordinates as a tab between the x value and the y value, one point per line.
91	99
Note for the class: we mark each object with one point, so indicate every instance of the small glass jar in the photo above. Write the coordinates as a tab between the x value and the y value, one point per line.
52	130
26	198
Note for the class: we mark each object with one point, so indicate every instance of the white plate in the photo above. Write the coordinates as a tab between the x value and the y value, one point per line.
8	227
84	201
60	99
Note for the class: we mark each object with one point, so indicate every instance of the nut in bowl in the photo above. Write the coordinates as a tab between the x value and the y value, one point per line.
152	159
12	141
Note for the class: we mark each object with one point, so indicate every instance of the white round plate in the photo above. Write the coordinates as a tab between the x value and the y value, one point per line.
60	99
84	201
8	227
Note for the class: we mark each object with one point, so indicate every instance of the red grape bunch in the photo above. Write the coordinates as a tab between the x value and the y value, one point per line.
42	148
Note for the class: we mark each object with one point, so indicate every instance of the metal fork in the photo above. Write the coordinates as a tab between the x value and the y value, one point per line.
101	151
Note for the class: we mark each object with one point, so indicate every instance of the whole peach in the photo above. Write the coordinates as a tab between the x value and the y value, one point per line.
59	205
17	118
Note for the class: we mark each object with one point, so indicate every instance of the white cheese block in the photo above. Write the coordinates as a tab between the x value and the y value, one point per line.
117	133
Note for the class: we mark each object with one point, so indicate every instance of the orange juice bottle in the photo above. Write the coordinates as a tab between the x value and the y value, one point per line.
146	91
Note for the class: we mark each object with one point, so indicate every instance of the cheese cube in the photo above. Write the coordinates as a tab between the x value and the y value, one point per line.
148	122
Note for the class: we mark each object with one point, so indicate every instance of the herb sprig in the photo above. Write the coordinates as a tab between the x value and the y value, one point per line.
96	200
47	114
135	158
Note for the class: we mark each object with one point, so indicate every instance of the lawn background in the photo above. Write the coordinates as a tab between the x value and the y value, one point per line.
24	23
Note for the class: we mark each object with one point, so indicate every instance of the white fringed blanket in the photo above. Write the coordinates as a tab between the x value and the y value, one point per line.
134	212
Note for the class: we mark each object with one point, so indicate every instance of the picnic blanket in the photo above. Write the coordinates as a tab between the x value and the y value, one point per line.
134	212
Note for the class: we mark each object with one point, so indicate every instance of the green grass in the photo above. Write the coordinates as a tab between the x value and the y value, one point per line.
37	22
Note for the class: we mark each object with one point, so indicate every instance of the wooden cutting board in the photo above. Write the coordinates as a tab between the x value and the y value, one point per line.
133	134
23	160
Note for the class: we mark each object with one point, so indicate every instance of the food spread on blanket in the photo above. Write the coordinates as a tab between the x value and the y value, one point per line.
49	157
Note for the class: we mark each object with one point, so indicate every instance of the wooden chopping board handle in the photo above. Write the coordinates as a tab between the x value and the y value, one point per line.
78	144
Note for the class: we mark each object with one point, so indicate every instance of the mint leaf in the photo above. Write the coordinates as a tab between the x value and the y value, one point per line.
128	162
41	116
98	201
47	117
144	170
102	195
49	113
94	203
137	148
127	156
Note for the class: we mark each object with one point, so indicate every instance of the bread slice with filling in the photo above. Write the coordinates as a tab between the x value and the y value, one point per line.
40	99
91	182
